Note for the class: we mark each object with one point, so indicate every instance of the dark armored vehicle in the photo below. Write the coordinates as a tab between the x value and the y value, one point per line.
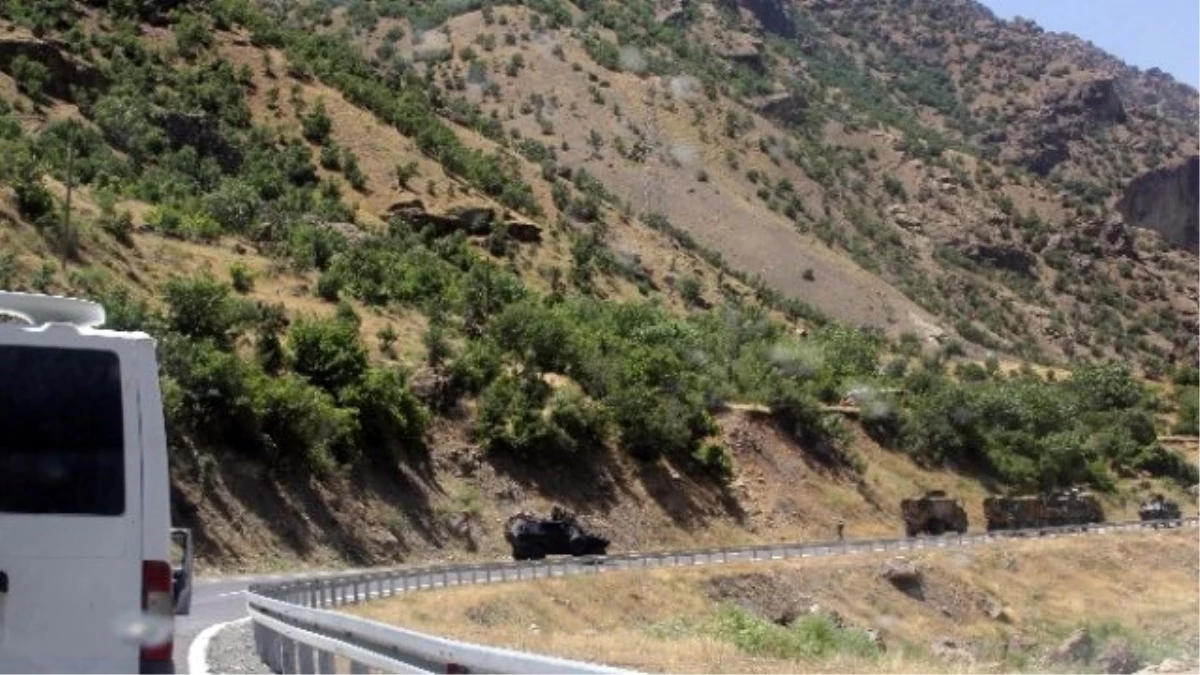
1159	508
934	513
533	538
1065	507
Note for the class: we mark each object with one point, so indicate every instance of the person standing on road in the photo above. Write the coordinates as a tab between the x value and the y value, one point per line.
841	527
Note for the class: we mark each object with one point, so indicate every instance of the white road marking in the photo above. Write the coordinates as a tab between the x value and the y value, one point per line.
198	650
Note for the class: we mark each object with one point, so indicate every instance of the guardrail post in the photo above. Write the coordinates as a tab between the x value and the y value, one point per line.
325	662
262	641
288	649
304	659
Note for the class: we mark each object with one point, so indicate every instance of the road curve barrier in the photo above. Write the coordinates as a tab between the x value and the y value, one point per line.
298	630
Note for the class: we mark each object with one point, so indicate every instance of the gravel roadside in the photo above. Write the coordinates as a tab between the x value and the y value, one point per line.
232	651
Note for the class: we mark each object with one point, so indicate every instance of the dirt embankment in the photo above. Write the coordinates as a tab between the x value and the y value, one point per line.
1102	604
249	518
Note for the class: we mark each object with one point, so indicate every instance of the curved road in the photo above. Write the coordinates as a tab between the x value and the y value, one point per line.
217	600
213	601
221	599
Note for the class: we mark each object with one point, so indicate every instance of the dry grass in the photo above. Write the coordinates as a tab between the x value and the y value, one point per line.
662	620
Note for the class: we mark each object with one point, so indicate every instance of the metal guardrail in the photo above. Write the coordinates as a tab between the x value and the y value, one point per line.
296	630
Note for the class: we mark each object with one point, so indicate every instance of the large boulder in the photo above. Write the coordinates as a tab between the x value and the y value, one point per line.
1172	666
904	575
1077	647
523	231
1119	659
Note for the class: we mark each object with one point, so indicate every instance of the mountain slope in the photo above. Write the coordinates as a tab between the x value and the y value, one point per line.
408	260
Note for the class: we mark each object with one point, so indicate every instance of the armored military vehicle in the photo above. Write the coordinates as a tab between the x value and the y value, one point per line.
1159	508
533	538
934	513
1063	507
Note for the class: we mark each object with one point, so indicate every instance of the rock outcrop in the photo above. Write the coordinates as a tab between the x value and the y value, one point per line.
785	107
1166	200
1002	256
202	132
1070	115
1077	647
477	221
772	15
66	72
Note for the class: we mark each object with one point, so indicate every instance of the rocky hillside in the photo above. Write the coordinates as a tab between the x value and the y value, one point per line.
407	260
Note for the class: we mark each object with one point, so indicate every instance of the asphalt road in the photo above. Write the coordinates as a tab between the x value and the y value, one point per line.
213	601
217	600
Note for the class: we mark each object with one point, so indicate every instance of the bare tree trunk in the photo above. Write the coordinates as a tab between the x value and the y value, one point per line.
68	244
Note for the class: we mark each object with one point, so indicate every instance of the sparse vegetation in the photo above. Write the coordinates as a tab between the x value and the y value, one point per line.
600	353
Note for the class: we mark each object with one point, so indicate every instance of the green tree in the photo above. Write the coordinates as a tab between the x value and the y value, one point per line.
327	352
234	204
203	308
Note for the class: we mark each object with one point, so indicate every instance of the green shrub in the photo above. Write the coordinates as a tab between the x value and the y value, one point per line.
241	277
811	637
293	416
716	460
200	227
119	225
479	364
234	204
1188	422
651	426
391	418
211	389
327	352
31	76
316	125
193	34
202	308
329	285
511	418
166	221
584	421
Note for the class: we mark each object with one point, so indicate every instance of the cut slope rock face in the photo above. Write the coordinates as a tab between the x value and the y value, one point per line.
1167	200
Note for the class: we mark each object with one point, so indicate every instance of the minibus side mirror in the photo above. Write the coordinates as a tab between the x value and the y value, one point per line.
182	568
